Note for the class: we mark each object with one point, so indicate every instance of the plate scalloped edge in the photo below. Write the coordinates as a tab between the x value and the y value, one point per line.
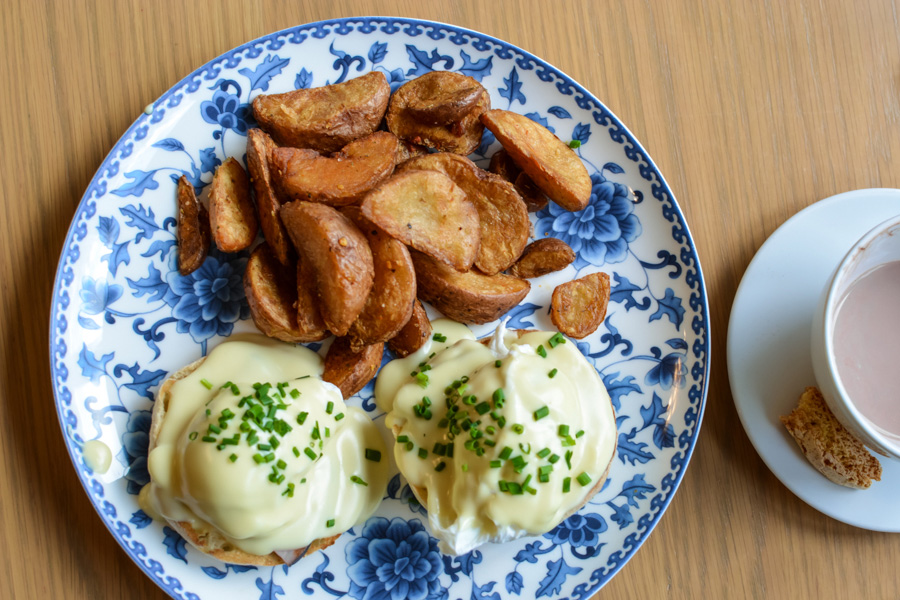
459	37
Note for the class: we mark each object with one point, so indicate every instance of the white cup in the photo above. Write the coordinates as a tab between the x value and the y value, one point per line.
879	246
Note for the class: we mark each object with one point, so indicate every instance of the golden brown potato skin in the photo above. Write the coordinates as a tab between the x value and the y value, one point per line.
193	228
502	215
232	216
339	180
271	290
460	137
550	163
578	307
309	318
532	196
326	118
350	370
442	97
338	254
259	146
414	333
469	297
406	151
543	256
426	210
390	303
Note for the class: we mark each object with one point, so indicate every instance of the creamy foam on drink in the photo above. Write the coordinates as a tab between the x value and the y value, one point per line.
867	346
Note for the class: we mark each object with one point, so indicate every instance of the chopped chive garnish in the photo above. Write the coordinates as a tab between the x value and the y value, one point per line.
233	457
309	452
499	395
526	482
541	413
301	418
513	488
563	430
568	441
329	407
439	449
569	459
281	464
208	439
580	433
553	459
490	430
440	466
518	463
295	394
556	340
495	464
258	458
206	383
545	468
552	373
449	448
505	453
264	447
465	467
409	446
289	492
497	363
518	428
402	439
422	380
490	443
542	352
373	455
525	448
544	453
501	422
214	428
269	457
339	416
575	144
423	453
567	483
503	486
329	523
208	412
439	337
327	432
193	436
295	451
583	479
482	407
358	479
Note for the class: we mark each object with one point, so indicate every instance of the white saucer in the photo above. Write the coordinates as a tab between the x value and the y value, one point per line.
769	360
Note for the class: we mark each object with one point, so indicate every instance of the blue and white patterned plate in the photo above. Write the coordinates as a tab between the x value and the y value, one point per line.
122	318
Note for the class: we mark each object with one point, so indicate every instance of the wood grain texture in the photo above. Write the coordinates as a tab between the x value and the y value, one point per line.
752	110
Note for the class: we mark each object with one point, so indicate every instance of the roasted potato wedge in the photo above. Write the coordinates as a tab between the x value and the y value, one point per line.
193	228
416	331
339	180
338	255
350	370
426	210
532	196
469	297
259	146
326	118
271	290
504	221
390	303
461	136
550	163
309	318
543	256
578	307
232	216
442	97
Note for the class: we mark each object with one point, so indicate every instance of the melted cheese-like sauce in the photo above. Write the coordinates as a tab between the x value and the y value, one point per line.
466	506
226	488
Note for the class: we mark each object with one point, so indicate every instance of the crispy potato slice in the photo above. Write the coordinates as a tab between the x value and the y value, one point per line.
338	255
232	216
350	370
406	151
193	228
504	221
543	256
532	196
442	97
271	290
469	297
259	145
426	210
550	163
309	318
338	180
390	303
578	307
325	118
414	333
460	137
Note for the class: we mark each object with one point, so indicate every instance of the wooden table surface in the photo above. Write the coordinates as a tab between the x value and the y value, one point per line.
752	111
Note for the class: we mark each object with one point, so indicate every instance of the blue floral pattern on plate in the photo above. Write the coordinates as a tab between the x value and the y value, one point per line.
123	318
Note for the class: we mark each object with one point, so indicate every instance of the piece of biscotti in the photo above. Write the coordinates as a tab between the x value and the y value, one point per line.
828	445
